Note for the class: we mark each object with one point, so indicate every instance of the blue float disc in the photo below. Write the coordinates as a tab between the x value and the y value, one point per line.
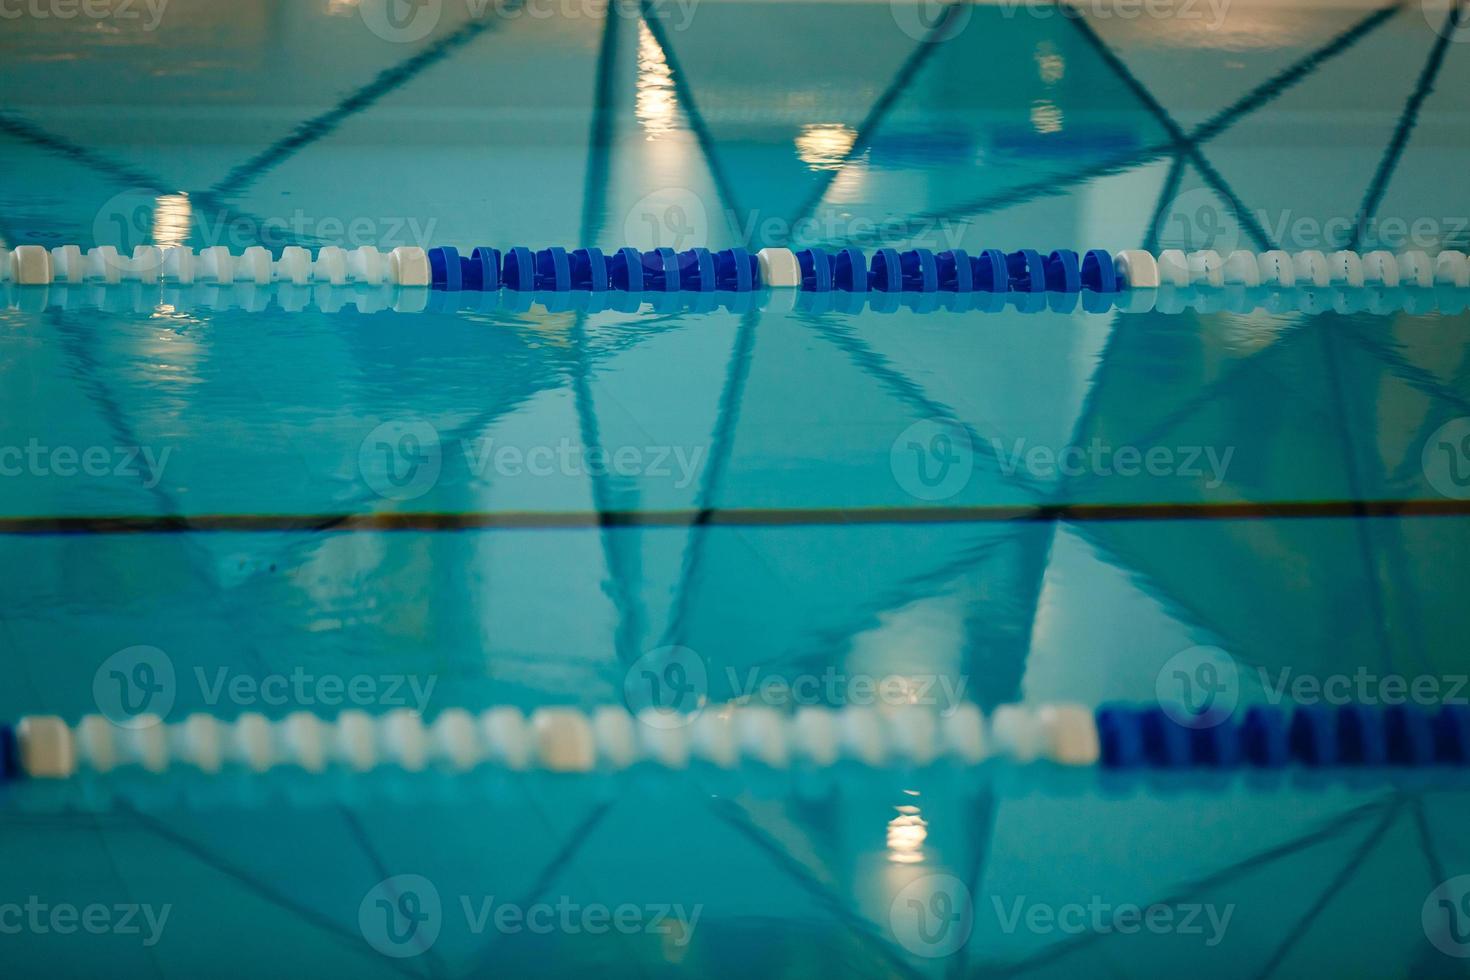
589	269
553	271
990	272
1098	272
1313	736
519	270
1165	741
850	271
1026	271
1119	737
697	270
482	271
816	270
1063	271
1361	739
956	275
9	754
661	270
734	270
1263	738
1409	735
920	271
625	270
1452	734
444	269
886	272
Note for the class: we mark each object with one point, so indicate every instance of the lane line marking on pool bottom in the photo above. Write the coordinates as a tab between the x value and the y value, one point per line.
732	517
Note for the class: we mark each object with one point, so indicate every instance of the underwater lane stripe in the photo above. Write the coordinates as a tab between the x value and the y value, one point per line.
734	517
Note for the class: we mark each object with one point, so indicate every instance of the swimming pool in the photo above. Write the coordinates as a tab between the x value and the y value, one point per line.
1092	498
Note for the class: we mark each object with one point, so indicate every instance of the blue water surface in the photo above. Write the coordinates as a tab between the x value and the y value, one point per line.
484	503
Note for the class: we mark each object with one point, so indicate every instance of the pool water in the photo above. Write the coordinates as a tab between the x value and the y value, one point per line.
497	504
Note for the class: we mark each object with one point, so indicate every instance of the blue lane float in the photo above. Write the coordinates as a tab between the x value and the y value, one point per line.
1098	272
1026	271
1063	272
553	271
737	270
518	270
481	273
956	273
850	271
697	271
1353	736
588	270
816	270
885	272
991	274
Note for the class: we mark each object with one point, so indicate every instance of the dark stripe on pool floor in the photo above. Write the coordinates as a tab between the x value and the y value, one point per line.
736	517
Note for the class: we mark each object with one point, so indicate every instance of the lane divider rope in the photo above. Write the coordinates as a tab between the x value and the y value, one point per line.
736	269
569	740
